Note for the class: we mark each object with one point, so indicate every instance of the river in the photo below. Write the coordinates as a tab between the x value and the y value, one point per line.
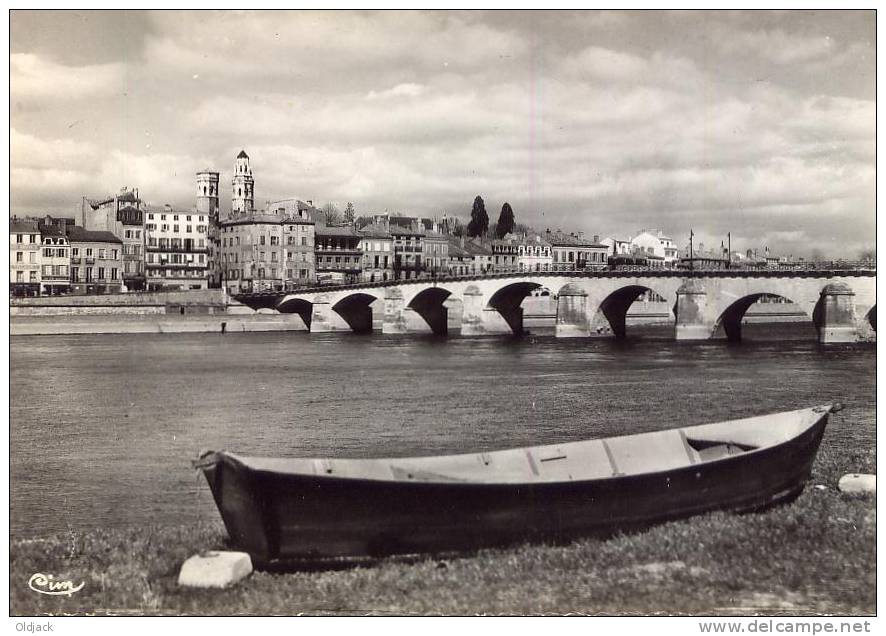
103	427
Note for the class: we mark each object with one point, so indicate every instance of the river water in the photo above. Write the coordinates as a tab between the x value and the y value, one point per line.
103	427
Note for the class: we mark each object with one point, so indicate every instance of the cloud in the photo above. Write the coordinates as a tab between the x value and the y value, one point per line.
400	90
33	78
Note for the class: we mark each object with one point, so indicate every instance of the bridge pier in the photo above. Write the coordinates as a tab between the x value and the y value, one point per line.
399	318
572	313
324	319
836	321
692	322
478	320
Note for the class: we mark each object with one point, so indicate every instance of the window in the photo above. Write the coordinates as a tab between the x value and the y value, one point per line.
33	239
47	270
175	217
261	240
18	238
200	218
175	228
164	227
101	273
275	240
113	273
19	276
304	240
19	257
115	254
202	256
273	257
188	218
151	217
138	234
101	252
128	234
75	274
32	257
189	228
162	217
261	256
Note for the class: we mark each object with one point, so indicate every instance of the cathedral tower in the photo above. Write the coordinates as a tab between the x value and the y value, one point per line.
243	197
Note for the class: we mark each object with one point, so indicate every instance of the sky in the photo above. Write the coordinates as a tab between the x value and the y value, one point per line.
758	124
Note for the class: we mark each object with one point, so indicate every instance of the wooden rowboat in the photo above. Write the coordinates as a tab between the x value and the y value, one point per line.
316	510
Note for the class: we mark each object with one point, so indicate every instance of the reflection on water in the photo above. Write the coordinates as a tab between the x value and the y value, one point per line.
103	427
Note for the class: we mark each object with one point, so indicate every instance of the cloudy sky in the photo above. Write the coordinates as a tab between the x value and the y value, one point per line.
761	124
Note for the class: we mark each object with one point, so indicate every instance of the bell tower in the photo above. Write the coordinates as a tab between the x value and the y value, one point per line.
243	196
207	194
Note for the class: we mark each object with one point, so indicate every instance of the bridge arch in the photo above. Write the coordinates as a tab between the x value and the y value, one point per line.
871	317
304	308
507	299
613	310
356	310
730	318
428	303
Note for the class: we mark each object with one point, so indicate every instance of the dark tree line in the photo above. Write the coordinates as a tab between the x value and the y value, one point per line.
479	223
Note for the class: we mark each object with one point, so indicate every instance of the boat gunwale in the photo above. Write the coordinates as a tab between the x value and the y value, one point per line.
236	461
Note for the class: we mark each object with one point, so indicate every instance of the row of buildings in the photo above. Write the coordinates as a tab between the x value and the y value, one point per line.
120	243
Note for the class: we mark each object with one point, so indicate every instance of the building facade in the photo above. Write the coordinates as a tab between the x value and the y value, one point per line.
534	254
337	254
96	261
408	252
657	243
377	246
435	250
122	215
574	252
55	269
270	250
177	250
25	258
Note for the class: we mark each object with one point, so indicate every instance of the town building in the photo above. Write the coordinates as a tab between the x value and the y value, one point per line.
574	252
337	254
122	215
657	243
24	257
436	253
269	250
55	273
505	254
482	258
177	251
460	260
408	251
377	246
617	246
96	261
534	254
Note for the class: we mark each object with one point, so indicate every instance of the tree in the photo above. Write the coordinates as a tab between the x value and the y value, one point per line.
457	228
479	223
349	213
331	213
506	221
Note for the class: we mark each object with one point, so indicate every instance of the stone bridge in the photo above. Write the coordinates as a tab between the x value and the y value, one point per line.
840	303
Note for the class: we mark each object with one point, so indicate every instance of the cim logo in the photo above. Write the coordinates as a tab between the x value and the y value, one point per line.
46	584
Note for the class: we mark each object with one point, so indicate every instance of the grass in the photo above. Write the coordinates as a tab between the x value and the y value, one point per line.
814	556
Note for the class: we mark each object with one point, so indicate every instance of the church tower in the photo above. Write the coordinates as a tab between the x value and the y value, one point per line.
243	197
207	194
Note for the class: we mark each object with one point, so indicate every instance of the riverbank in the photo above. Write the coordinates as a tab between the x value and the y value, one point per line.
122	323
719	564
716	564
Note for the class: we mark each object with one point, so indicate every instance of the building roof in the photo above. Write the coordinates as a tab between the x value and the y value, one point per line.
562	239
242	155
375	230
22	225
477	249
336	230
129	195
407	221
456	250
51	230
399	230
78	234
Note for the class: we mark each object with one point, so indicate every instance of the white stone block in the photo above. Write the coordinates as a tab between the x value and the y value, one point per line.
215	569
858	483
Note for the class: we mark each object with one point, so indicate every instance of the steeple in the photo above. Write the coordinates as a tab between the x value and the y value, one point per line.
243	194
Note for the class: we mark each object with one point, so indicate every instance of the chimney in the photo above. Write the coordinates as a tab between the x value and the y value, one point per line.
310	202
63	225
596	238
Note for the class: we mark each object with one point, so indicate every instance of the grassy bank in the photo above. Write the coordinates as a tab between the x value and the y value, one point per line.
816	555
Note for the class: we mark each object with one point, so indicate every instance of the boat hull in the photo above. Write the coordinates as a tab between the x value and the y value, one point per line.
317	518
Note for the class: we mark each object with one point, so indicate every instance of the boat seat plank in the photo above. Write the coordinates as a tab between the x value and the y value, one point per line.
663	450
